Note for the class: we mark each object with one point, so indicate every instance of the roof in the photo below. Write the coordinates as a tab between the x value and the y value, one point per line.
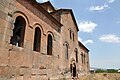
80	44
69	10
47	4
40	8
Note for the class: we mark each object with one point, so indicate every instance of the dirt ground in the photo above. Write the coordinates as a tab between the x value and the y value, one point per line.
101	76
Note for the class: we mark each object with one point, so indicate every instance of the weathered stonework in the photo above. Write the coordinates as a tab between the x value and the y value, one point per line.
25	63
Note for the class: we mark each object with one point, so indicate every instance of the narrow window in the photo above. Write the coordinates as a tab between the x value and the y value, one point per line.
82	57
73	36
66	51
70	34
18	32
87	64
37	39
74	69
76	56
70	68
49	45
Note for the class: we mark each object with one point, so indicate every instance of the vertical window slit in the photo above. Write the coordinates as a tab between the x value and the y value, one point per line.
49	45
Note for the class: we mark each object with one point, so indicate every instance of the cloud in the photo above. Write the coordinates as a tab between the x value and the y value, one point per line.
42	0
111	1
86	26
118	22
101	7
85	42
98	8
88	42
110	38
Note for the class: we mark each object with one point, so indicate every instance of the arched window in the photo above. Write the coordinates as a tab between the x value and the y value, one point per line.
18	32
66	51
76	53
49	45
37	39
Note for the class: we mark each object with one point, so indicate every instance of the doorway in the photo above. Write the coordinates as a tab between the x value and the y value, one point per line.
73	69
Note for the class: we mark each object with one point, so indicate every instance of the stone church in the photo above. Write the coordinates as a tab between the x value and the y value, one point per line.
39	42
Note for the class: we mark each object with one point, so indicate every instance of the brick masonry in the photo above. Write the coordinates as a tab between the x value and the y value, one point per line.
22	63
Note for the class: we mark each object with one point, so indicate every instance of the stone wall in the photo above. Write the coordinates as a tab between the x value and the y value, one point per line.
22	63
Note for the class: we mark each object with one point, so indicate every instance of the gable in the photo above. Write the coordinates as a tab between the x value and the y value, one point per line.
83	47
70	17
48	6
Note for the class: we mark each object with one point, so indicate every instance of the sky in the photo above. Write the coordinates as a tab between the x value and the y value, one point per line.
99	28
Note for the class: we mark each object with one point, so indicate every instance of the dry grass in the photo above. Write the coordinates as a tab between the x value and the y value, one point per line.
101	76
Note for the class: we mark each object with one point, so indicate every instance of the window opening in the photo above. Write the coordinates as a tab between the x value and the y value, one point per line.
73	36
18	32
66	51
37	39
82	57
49	45
70	34
76	56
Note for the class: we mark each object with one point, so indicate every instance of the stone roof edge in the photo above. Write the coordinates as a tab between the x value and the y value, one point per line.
82	45
49	3
36	5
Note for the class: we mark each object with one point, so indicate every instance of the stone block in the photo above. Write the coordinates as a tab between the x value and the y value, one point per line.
19	78
24	71
26	77
2	30
43	77
32	77
35	59
17	58
3	15
49	72
34	71
4	3
4	55
29	60
1	70
2	8
3	78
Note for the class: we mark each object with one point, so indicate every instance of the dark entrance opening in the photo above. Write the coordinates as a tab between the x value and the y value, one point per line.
71	69
74	70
